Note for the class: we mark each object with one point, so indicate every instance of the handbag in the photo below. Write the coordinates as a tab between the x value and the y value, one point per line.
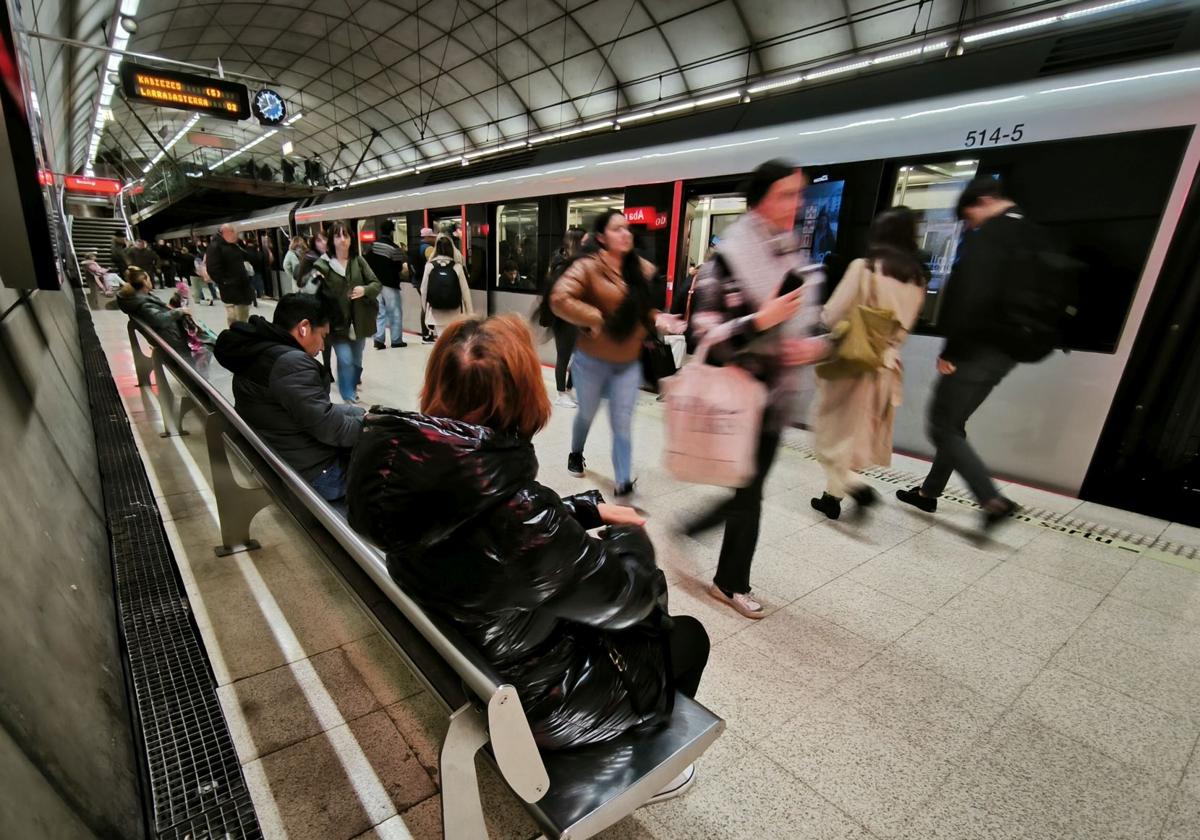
658	361
713	419
862	338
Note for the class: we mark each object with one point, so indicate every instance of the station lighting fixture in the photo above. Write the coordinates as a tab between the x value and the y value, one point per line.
571	132
1037	23
120	40
288	148
129	24
495	150
294	118
247	147
179	135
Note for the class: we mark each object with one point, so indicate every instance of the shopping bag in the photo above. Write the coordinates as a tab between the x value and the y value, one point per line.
712	423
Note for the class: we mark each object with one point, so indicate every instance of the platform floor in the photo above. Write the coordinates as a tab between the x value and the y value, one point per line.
908	682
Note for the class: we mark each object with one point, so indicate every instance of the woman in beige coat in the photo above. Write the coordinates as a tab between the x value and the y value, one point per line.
855	415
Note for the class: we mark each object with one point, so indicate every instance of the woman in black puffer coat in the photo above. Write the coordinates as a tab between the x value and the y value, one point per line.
136	300
576	623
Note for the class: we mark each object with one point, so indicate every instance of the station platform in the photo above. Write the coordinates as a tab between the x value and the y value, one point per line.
908	681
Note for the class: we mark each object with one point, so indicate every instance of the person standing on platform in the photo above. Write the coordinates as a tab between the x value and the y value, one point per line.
350	289
225	263
445	295
746	321
564	332
390	265
977	354
141	256
420	257
292	259
856	411
120	256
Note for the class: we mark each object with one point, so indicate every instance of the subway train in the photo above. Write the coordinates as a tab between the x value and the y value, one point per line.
1104	158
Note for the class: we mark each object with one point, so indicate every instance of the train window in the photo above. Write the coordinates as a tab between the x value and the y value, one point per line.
582	210
711	216
932	189
516	246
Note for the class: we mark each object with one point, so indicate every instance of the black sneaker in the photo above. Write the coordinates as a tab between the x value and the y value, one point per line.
993	516
575	464
428	339
913	497
379	345
831	506
863	496
399	344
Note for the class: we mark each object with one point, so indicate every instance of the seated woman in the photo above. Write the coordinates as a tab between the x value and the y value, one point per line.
574	622
135	299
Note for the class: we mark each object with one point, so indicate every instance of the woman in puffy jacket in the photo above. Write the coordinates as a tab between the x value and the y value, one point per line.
136	300
575	622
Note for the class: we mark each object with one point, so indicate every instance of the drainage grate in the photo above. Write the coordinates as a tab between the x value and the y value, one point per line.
196	784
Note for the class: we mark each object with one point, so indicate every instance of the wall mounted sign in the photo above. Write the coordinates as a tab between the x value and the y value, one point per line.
269	107
185	91
96	186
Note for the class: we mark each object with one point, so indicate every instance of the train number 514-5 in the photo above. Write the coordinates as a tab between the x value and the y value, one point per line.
995	136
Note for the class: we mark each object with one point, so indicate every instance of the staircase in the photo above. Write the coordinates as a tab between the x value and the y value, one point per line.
91	233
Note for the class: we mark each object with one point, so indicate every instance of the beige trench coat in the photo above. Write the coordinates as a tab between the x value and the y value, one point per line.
855	416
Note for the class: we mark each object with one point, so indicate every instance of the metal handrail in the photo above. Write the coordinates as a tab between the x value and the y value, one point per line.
521	762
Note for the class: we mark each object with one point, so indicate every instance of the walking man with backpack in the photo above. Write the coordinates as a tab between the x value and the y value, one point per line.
1005	303
445	296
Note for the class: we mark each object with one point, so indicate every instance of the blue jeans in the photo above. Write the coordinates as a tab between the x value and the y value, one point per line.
391	314
331	484
594	380
349	354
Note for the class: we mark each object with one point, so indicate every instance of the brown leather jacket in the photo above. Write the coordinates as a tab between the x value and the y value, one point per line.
587	293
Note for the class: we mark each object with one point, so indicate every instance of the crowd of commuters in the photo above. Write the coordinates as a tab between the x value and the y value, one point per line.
451	492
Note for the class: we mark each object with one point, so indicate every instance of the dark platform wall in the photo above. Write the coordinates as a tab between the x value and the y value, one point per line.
67	761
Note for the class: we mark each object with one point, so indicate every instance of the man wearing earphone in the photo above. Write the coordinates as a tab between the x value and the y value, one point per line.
281	390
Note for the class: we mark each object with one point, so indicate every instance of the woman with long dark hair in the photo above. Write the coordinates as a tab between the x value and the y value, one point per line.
350	289
564	332
856	413
607	296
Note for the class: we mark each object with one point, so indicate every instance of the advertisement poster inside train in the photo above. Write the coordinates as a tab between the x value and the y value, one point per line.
819	218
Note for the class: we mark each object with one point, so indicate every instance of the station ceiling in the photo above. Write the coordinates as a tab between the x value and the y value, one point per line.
398	82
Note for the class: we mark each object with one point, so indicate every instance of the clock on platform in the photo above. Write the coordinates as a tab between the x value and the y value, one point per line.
269	107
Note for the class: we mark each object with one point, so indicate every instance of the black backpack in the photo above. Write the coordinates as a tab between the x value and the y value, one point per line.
1040	297
443	291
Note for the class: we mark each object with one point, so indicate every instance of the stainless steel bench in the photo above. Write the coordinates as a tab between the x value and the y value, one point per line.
571	794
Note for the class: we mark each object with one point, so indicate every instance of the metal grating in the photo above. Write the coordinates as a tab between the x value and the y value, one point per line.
1131	40
194	777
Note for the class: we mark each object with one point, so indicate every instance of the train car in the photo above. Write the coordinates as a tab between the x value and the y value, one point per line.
1104	158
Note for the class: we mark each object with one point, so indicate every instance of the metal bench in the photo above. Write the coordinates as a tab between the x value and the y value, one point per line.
571	794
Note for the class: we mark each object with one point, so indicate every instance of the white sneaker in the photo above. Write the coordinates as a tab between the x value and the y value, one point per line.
564	400
740	601
676	787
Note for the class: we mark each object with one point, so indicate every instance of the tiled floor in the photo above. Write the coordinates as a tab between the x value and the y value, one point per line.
908	682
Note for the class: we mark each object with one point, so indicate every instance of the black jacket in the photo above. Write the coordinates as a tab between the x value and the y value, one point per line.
974	297
143	258
226	267
387	261
281	391
151	311
471	534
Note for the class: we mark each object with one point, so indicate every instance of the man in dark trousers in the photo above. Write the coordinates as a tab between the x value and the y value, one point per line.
280	389
225	262
390	265
977	354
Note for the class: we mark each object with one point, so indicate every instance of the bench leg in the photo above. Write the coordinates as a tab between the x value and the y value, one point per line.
236	505
462	810
171	411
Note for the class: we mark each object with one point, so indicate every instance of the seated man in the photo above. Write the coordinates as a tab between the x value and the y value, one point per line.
280	389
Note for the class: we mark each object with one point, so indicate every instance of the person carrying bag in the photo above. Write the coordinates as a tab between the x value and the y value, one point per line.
861	340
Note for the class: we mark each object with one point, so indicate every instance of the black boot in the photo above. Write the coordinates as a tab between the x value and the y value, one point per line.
831	506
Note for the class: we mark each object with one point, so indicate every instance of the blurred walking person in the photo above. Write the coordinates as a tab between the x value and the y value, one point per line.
856	409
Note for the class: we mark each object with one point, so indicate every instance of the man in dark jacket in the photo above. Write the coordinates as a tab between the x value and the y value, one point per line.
225	262
280	389
145	259
390	265
974	359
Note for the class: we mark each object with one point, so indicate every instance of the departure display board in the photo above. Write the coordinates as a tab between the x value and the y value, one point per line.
185	91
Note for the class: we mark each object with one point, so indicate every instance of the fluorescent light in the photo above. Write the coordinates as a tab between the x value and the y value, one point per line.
288	147
719	97
171	143
778	83
884	59
1103	7
628	118
569	132
247	147
293	118
1009	30
966	162
439	163
834	71
507	147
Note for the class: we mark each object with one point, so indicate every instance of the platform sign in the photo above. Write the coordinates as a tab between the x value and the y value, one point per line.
95	186
185	91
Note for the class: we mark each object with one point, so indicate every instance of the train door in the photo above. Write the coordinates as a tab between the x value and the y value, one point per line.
1148	457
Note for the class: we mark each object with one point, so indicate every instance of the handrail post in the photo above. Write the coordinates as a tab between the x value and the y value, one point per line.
142	363
172	414
236	505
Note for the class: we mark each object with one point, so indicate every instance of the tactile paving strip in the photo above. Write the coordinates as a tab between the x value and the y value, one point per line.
1042	517
196	783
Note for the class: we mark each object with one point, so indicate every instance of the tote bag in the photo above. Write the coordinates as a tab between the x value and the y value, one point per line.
862	338
712	422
